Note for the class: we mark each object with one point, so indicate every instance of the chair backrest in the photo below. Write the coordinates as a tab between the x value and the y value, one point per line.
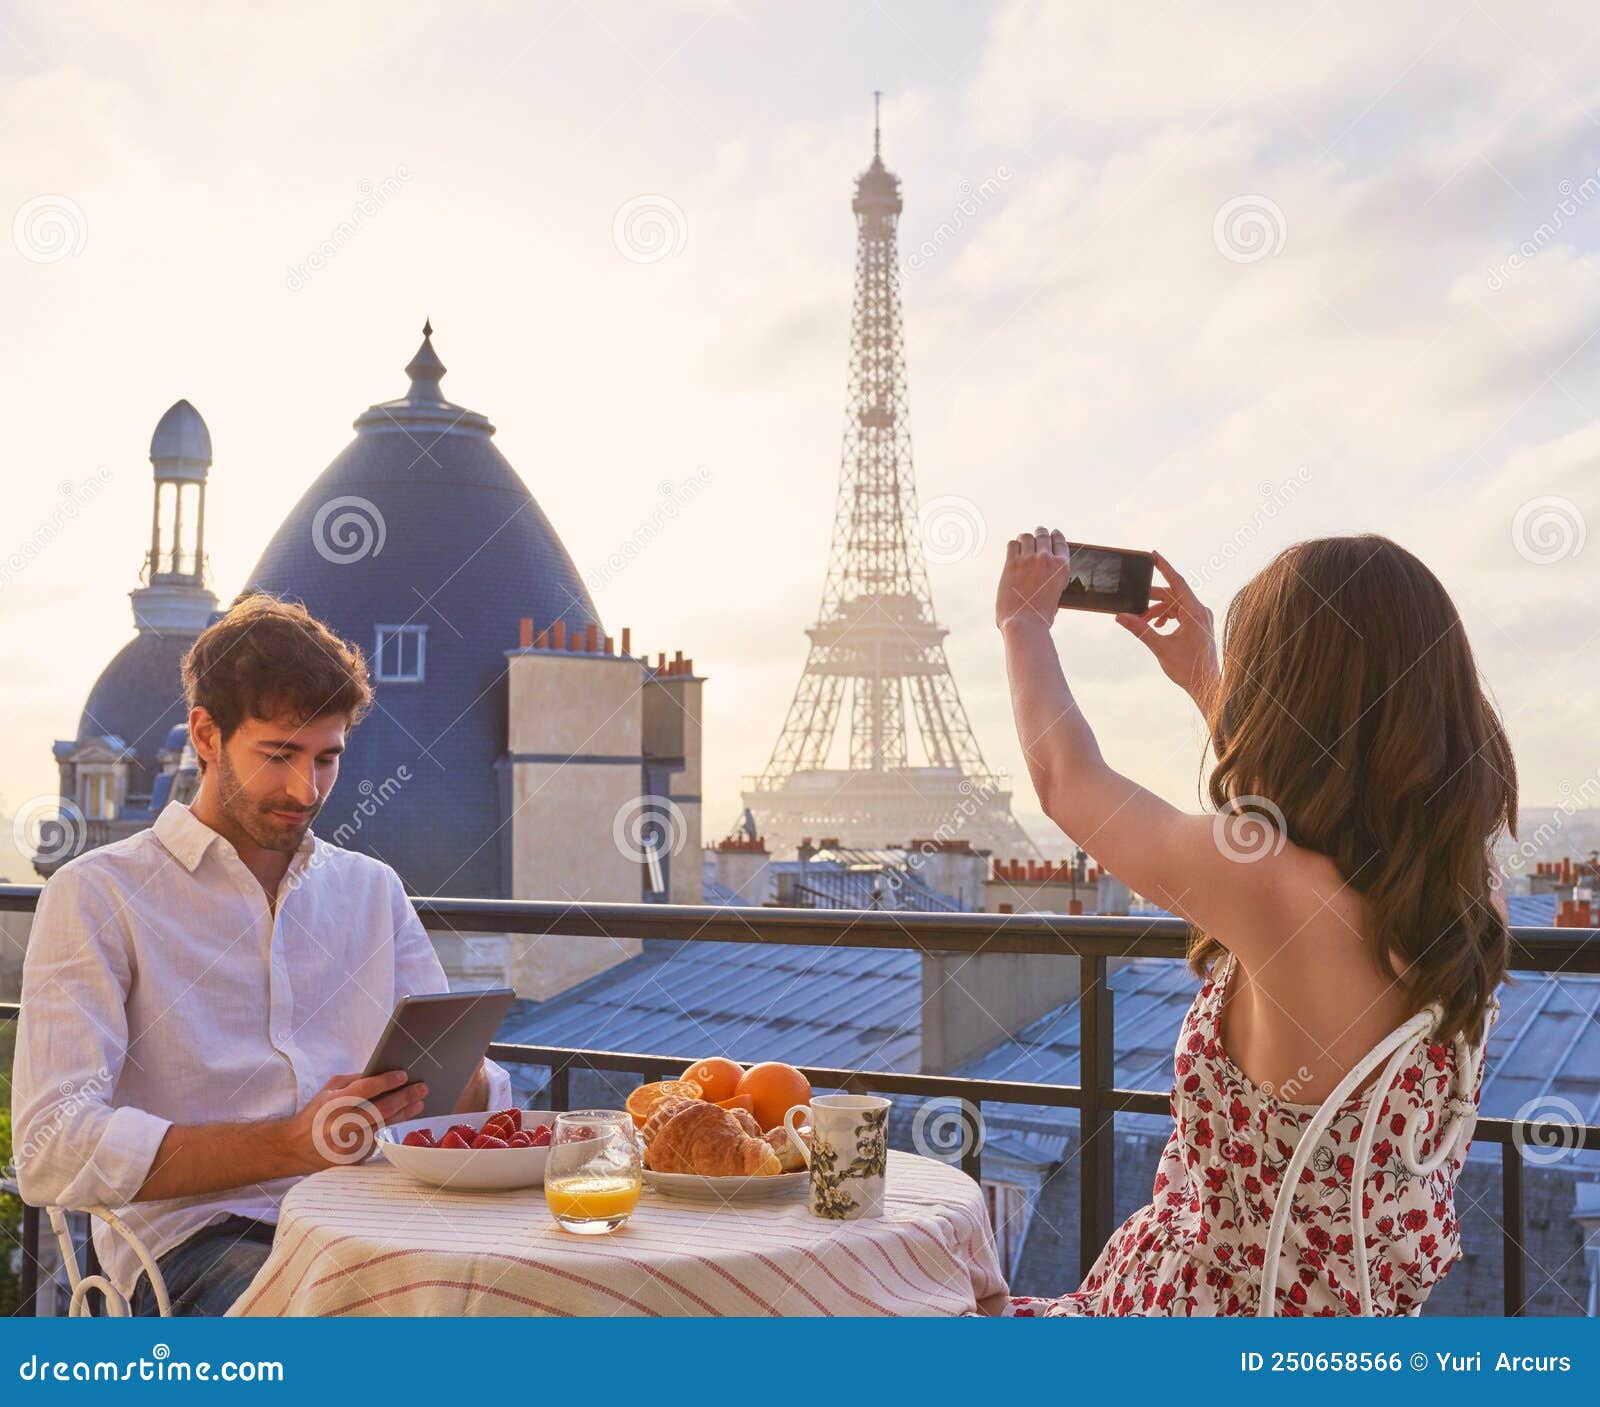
1454	1132
116	1302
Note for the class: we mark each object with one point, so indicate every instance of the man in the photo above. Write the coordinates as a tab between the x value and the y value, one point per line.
195	996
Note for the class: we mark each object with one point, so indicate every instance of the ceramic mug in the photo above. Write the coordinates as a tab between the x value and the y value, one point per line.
848	1151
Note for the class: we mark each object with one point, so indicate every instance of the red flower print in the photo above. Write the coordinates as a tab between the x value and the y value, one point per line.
1199	1246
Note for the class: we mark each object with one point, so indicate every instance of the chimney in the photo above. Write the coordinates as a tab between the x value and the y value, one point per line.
627	639
541	641
593	642
609	650
558	635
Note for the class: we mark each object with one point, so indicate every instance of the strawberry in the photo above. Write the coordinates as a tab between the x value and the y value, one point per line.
465	1132
454	1140
520	1139
488	1140
540	1137
509	1116
419	1138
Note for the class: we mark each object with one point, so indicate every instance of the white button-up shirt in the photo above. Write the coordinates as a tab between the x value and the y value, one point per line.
159	988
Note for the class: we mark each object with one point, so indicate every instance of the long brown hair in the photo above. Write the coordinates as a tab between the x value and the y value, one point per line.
1350	705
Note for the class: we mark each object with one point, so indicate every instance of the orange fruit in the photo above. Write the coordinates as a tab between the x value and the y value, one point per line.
642	1102
739	1101
774	1088
717	1077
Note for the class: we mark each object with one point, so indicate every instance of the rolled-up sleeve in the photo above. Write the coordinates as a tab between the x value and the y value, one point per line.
418	971
73	1146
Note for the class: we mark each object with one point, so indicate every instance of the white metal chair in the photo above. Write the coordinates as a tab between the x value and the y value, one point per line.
116	1302
1454	1132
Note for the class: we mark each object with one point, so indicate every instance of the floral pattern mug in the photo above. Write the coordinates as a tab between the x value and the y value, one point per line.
848	1154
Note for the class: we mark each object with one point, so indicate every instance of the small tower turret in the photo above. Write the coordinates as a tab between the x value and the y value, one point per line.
173	595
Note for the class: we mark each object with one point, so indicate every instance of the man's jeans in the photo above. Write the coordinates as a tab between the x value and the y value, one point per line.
209	1271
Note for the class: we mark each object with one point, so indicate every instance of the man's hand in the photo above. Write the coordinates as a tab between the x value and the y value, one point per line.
340	1122
339	1125
1187	655
1033	578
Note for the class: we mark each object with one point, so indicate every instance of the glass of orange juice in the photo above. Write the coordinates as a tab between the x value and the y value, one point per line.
594	1173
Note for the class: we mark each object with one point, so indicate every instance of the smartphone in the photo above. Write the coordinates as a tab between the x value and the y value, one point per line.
1107	579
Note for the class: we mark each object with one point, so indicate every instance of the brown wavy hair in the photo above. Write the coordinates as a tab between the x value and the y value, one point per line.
1350	704
265	657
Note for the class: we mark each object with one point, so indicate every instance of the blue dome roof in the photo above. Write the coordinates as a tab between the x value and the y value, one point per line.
421	521
181	437
139	698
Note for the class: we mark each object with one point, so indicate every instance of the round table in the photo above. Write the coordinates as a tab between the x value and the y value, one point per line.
371	1240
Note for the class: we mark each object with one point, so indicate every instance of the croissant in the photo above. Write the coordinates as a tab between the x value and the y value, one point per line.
709	1141
782	1142
663	1111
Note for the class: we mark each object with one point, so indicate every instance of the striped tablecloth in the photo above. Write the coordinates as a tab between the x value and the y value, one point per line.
370	1240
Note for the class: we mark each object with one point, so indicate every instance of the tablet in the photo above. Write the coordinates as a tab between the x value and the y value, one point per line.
439	1040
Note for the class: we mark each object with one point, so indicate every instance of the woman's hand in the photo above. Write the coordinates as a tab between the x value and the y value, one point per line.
1033	578
1187	655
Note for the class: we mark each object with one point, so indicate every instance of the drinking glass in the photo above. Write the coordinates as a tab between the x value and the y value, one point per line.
594	1173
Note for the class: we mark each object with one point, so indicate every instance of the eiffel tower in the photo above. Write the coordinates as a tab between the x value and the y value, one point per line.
876	637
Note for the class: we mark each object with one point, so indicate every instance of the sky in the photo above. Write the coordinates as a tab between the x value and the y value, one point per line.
1206	278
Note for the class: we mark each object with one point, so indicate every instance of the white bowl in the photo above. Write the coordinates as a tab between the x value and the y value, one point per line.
467	1169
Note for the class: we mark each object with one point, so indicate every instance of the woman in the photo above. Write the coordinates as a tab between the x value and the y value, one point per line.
1345	884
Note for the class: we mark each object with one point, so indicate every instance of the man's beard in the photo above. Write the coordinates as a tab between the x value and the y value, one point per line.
254	817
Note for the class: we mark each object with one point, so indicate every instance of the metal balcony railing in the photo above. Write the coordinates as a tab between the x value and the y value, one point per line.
1091	940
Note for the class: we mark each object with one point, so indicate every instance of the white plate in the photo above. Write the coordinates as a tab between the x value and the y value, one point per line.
695	1188
467	1169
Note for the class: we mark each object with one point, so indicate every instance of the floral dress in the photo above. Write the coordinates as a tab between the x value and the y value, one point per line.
1199	1247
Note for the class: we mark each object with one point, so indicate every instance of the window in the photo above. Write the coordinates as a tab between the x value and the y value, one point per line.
400	654
97	796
